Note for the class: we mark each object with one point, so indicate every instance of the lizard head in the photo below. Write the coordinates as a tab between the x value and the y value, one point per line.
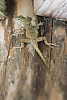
20	19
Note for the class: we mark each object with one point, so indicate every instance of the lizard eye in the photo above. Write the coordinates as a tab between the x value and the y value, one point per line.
18	18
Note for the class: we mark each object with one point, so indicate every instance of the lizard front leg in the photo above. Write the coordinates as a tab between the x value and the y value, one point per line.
24	40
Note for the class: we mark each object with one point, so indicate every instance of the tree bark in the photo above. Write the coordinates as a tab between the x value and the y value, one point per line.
24	76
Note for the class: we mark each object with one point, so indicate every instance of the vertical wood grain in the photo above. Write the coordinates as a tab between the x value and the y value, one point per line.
25	76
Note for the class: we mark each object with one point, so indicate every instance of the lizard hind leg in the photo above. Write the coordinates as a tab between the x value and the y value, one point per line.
45	41
50	44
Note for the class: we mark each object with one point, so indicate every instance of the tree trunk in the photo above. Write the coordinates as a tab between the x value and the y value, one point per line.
24	76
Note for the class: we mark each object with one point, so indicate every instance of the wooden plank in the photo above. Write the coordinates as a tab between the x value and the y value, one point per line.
37	4
52	8
21	66
58	62
42	74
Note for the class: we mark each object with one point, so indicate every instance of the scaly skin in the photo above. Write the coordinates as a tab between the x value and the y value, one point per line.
32	35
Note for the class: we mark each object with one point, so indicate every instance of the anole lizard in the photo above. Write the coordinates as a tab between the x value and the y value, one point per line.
32	35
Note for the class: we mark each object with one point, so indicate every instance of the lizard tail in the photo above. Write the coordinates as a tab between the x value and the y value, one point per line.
40	54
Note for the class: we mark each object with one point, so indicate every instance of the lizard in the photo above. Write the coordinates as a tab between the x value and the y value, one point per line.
32	35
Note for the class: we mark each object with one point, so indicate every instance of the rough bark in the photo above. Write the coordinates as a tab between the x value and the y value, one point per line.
24	76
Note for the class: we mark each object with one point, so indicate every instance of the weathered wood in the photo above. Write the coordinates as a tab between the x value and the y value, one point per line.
24	76
2	9
51	8
58	62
